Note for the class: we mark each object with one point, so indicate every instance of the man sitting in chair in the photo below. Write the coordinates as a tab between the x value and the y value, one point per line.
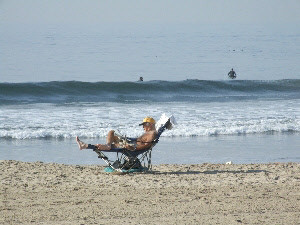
113	141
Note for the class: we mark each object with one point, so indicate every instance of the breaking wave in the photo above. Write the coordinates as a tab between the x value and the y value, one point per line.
152	91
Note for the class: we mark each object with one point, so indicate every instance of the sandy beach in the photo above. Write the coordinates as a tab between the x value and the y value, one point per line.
50	193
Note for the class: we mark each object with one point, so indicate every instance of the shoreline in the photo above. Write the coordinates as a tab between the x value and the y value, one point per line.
255	148
52	193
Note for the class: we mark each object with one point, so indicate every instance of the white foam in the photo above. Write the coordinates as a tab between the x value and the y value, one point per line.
199	119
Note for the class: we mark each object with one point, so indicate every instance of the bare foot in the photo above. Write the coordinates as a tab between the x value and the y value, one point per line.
81	144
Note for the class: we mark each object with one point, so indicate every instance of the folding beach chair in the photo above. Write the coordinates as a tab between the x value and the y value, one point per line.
132	160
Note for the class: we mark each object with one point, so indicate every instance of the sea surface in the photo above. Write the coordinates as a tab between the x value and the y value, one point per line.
57	84
50	114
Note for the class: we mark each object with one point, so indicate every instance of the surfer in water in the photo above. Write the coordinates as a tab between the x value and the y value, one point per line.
113	141
232	74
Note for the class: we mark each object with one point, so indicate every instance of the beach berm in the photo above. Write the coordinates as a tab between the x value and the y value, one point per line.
50	193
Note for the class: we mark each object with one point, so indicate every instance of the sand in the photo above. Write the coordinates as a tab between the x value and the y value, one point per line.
49	193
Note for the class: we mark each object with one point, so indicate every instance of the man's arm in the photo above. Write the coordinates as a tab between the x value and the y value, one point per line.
143	142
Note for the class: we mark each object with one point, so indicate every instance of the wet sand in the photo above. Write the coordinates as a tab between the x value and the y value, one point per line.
49	193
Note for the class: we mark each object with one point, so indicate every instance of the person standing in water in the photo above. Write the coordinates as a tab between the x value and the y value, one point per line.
232	74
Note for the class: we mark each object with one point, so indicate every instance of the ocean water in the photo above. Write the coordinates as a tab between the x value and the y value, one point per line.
57	84
39	121
171	53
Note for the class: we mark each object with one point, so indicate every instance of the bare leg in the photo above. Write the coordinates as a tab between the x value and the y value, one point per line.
111	141
81	144
103	147
111	138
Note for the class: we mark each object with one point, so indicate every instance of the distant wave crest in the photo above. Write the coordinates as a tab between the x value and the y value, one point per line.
155	91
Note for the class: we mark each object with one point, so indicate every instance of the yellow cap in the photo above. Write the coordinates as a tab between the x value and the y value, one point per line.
148	120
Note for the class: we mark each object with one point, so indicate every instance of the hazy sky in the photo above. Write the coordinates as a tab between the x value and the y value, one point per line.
149	11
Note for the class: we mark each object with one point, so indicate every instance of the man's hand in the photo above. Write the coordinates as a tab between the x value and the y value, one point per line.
130	147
